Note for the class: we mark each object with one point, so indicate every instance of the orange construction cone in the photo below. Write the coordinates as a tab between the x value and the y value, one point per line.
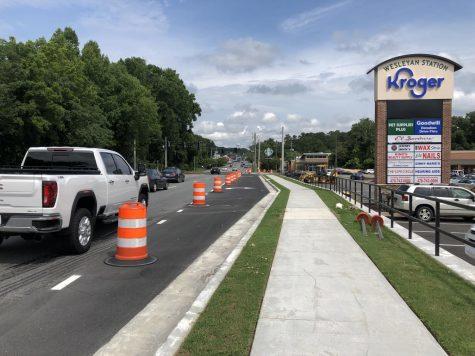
228	180
131	247
199	193
217	185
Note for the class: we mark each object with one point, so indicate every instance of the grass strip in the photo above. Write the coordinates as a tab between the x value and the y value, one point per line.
228	323
443	301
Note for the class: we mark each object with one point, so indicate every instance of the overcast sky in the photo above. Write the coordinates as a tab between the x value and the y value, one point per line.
256	65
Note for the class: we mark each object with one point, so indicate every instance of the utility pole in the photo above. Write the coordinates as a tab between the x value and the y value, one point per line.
135	154
336	149
166	152
259	154
282	158
255	153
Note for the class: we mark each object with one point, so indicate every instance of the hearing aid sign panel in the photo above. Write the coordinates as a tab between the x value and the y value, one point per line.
414	150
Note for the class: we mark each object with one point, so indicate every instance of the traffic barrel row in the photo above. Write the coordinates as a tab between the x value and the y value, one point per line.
131	248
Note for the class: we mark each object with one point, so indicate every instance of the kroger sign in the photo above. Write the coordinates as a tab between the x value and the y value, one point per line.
414	77
418	87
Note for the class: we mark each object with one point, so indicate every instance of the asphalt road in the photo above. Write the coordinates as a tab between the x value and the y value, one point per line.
83	316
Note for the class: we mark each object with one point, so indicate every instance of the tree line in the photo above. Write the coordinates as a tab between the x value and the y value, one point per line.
54	93
354	148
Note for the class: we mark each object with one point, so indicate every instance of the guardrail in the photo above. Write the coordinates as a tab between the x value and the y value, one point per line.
380	198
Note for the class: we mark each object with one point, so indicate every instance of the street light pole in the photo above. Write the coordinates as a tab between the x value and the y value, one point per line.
259	154
166	152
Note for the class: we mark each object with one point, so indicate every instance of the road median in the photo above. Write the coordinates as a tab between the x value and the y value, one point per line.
228	323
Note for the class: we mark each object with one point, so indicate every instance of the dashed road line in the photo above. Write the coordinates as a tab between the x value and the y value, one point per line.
161	222
66	282
179	211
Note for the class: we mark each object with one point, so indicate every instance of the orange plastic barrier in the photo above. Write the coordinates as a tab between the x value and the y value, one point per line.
228	180
199	193
131	247
217	185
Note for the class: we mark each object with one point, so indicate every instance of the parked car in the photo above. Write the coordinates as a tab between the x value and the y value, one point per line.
369	171
174	174
467	182
357	176
215	170
424	209
470	236
156	180
65	190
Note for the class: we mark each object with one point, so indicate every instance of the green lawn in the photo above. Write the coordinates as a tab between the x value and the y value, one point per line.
228	323
441	299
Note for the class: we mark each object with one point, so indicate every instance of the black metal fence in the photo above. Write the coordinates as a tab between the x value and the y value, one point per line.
381	199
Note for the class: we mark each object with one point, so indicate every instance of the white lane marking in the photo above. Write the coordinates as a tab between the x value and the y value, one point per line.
172	187
424	231
66	282
179	211
452	245
458	232
161	222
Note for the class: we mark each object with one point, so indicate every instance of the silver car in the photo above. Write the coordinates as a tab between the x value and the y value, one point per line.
424	209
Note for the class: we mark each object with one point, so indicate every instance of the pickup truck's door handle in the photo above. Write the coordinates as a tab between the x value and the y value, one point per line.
127	181
111	182
456	200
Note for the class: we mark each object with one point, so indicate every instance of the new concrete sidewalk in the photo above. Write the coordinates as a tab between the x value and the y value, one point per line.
326	297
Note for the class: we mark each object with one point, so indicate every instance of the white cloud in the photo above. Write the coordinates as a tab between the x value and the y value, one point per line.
269	117
243	55
293	117
308	18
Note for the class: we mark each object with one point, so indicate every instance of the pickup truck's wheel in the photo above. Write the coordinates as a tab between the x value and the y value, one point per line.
165	187
80	231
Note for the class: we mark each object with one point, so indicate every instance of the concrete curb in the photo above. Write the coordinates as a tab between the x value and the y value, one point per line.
452	262
178	335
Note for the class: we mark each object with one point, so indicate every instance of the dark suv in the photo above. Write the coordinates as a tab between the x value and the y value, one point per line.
174	174
215	170
156	180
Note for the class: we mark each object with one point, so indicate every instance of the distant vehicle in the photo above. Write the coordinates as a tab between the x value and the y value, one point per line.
454	178
369	171
467	182
156	180
215	170
458	172
65	190
174	174
470	236
357	176
424	209
224	169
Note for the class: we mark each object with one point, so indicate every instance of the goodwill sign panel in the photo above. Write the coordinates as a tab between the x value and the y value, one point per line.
414	77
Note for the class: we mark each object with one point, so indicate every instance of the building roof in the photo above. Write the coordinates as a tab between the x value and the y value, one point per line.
462	155
455	64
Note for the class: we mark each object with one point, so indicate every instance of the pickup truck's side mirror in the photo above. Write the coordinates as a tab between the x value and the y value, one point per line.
141	171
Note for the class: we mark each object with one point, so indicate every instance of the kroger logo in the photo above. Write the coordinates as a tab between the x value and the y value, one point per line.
418	87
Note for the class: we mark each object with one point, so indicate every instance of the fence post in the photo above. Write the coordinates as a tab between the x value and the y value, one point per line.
361	195
369	198
379	200
410	216
437	225
392	208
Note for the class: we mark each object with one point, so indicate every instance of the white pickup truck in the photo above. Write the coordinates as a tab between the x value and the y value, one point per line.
64	190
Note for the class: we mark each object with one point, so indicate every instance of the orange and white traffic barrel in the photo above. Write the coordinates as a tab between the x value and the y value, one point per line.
228	180
217	185
199	193
131	247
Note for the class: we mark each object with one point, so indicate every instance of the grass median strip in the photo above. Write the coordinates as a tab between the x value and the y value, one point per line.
228	323
443	301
